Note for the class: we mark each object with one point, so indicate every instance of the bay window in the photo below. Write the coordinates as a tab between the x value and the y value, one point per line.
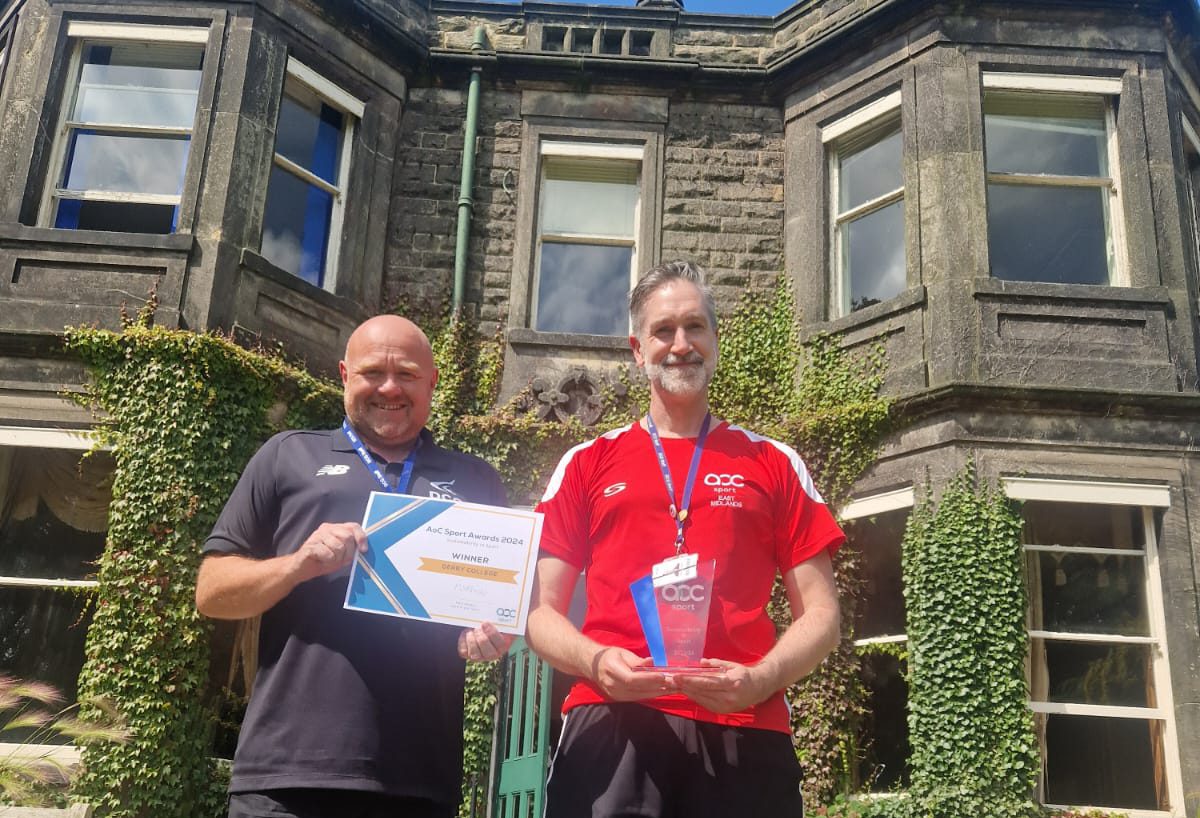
866	173
1099	685
1053	203
125	133
306	194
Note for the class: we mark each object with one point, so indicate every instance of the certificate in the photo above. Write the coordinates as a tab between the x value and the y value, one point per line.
445	561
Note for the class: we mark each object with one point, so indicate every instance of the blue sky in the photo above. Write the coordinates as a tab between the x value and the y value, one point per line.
767	7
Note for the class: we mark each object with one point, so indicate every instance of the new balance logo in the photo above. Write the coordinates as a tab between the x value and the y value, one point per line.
332	471
615	488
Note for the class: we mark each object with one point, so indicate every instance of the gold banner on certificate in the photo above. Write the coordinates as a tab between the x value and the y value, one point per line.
466	569
446	561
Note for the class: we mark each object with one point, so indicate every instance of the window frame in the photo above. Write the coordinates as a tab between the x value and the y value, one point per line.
18	437
352	109
884	114
1108	90
901	499
869	506
79	34
1152	498
587	151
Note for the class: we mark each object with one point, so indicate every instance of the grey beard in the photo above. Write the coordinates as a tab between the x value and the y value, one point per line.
680	381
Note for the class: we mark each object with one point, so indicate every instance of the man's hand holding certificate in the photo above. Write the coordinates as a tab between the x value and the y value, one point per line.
453	562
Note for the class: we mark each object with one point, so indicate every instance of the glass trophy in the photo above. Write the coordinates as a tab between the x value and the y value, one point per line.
672	606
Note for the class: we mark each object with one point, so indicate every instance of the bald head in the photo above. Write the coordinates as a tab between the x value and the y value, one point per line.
388	377
392	330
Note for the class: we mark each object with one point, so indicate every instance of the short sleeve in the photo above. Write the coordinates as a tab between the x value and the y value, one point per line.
564	506
248	522
806	525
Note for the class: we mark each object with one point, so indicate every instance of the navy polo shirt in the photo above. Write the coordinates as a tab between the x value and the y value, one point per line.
345	699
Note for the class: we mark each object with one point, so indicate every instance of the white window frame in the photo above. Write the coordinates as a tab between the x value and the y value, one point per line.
31	437
1150	497
1108	89
601	151
879	113
869	506
352	109
81	33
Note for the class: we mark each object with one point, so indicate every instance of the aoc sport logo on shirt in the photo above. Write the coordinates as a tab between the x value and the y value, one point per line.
725	487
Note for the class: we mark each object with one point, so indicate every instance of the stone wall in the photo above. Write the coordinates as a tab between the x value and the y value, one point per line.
419	270
723	197
807	22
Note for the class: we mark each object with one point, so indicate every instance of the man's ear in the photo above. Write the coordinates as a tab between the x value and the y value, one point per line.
635	345
343	371
433	380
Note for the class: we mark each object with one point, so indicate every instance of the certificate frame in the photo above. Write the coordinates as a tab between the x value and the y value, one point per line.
445	561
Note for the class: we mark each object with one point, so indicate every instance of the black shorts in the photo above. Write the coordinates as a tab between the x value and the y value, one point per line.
313	803
631	760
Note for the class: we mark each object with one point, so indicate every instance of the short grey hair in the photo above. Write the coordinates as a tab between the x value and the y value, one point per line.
662	275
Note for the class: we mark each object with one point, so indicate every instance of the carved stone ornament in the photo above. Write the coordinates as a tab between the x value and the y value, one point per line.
577	395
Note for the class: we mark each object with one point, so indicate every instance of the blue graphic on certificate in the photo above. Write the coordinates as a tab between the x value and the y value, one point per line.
445	561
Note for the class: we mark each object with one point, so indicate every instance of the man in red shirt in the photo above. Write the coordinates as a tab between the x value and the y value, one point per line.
662	743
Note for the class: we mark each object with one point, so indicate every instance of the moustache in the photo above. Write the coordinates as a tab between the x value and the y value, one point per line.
690	358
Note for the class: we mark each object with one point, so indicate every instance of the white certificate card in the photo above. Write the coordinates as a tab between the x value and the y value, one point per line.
444	561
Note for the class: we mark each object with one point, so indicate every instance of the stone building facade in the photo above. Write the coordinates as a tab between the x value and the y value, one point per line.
1004	195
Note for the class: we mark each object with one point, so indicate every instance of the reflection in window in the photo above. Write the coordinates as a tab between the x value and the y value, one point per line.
125	136
1191	152
302	222
587	247
53	516
879	630
868	193
1050	187
3	53
1092	655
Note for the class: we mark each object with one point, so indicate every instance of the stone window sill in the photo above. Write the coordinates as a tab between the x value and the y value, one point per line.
519	336
1094	293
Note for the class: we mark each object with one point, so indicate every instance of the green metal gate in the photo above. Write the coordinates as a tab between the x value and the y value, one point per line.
524	750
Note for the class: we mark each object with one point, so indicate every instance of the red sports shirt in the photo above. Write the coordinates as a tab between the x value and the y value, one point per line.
754	510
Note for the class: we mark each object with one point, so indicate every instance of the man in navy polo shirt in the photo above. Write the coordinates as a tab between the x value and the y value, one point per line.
352	714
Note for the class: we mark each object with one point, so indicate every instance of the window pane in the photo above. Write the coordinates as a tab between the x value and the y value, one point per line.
1083	524
1051	234
1088	593
877	542
1059	134
883	763
1088	673
590	197
115	163
1104	762
116	217
871	172
139	84
296	226
583	288
873	256
42	634
309	132
52	521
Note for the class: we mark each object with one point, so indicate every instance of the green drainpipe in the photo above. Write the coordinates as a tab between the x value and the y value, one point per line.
466	188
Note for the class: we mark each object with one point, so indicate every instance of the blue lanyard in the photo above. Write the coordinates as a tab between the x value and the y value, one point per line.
680	513
373	467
